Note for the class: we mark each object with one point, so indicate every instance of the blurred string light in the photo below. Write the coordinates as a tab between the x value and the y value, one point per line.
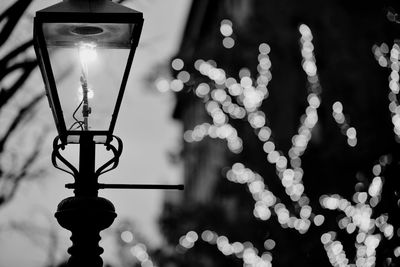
137	250
369	231
310	118
267	204
225	97
381	54
224	131
340	118
244	251
334	250
294	174
226	30
394	106
291	178
176	85
249	96
365	250
218	104
390	59
218	100
166	84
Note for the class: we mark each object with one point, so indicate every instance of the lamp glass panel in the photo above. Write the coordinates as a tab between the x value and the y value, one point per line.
88	68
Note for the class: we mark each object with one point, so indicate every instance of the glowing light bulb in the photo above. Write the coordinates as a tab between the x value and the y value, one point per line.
87	52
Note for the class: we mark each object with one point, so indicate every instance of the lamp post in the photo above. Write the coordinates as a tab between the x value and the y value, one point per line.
88	35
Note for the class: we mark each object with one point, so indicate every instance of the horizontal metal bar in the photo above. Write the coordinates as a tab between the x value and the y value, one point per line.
134	186
141	186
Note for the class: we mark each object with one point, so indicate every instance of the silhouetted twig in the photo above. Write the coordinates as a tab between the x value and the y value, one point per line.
10	17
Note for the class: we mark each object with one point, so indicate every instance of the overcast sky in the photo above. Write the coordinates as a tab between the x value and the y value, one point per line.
144	125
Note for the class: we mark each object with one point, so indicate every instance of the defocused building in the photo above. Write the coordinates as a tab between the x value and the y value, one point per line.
344	35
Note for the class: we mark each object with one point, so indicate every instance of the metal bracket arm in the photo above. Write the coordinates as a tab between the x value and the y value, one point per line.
134	186
71	169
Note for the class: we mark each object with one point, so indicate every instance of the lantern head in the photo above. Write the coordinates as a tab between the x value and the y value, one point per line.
85	51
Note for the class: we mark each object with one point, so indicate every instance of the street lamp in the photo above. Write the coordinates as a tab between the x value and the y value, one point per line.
95	40
89	35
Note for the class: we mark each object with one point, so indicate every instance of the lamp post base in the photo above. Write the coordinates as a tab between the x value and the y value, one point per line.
85	217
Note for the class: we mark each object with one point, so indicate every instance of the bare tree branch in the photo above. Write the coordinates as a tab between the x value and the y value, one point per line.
14	179
14	53
11	16
18	119
27	68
